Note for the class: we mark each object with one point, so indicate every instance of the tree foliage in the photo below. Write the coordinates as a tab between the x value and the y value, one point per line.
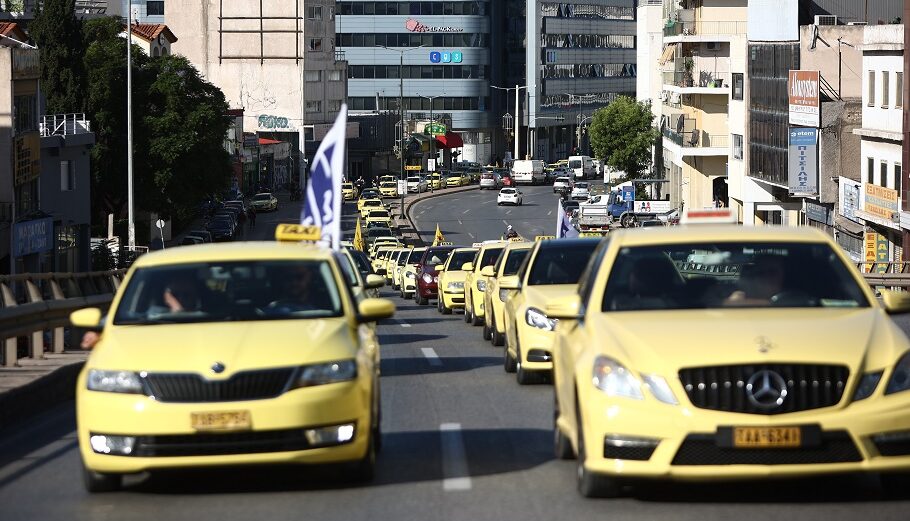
622	134
58	34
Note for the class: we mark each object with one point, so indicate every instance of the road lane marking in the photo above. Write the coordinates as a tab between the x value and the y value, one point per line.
405	324
508	212
459	222
471	235
466	211
550	212
431	356
454	461
505	222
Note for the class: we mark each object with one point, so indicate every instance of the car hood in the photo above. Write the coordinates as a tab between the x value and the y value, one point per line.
537	296
237	345
665	341
455	276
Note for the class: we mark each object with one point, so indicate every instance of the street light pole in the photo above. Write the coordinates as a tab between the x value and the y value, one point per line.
130	216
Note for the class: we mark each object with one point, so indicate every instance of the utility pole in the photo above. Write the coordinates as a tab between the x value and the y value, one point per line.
130	216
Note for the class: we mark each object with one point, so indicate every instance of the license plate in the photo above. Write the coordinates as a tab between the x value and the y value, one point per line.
220	421
767	437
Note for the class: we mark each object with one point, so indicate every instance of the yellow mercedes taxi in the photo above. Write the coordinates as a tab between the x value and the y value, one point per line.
475	282
348	191
379	217
370	205
230	354
451	279
389	189
728	352
552	270
408	283
494	298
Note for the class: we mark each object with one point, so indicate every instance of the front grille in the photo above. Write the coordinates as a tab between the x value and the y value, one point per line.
702	449
628	453
191	387
221	444
724	388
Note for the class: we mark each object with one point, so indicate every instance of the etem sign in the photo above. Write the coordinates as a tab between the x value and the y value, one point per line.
446	57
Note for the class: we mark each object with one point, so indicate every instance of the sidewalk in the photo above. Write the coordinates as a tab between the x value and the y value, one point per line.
36	385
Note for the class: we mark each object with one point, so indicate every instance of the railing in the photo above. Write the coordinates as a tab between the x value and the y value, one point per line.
704	79
697	139
35	303
65	125
704	28
339	56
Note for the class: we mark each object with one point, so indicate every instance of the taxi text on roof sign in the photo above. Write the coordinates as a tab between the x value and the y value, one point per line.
709	216
590	234
446	243
413	167
297	233
544	237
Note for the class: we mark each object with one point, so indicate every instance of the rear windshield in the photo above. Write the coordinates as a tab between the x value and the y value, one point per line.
459	258
561	263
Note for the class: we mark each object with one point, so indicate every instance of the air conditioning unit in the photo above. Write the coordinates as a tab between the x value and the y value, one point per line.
825	19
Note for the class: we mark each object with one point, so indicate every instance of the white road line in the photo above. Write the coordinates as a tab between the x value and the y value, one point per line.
471	235
508	212
550	212
405	324
505	222
459	222
431	356
454	461
466	211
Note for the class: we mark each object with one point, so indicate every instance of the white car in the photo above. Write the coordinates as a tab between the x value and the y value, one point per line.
561	183
417	184
264	202
580	192
509	196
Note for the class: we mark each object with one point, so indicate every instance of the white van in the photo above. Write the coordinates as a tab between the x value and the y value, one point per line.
582	166
528	171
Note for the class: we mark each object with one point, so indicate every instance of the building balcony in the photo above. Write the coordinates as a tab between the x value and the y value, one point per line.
703	31
339	56
65	125
696	142
697	81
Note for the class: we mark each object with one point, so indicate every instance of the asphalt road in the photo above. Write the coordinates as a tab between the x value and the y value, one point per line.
462	441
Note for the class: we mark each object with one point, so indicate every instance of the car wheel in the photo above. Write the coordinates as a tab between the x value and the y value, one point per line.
499	339
402	294
486	332
421	301
591	484
508	361
365	469
562	447
475	320
523	376
627	220
96	482
467	316
439	305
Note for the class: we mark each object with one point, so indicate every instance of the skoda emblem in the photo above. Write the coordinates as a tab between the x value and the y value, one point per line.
217	368
766	389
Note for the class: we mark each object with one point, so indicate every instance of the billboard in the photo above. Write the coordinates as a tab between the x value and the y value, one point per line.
33	236
850	199
880	201
773	20
802	178
802	91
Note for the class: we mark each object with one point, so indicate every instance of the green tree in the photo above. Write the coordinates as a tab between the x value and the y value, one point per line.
58	34
622	135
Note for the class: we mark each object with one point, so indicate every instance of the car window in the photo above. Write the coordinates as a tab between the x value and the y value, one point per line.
415	256
459	258
438	256
489	257
513	262
561	262
730	275
348	270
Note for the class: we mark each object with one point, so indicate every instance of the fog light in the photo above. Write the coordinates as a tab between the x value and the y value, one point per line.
539	355
334	435
117	445
629	441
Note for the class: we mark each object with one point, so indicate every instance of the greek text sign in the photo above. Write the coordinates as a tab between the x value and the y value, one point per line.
802	89
33	236
803	164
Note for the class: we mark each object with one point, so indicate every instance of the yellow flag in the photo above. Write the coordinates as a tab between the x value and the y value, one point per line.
439	237
358	238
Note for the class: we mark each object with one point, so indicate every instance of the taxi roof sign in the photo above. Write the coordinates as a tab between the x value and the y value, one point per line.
544	237
297	233
445	243
590	234
412	167
709	216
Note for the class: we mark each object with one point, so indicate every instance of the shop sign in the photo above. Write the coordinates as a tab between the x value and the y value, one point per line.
435	129
250	140
269	122
33	236
446	57
27	157
802	90
880	201
803	162
416	27
850	198
817	212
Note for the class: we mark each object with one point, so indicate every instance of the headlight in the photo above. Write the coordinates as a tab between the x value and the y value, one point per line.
436	279
536	318
867	386
114	381
455	286
481	285
660	388
614	379
900	376
427	278
503	293
409	274
328	373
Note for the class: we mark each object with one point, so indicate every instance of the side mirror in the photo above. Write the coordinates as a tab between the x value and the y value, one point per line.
564	308
468	266
88	318
375	281
373	309
510	282
439	267
488	271
896	302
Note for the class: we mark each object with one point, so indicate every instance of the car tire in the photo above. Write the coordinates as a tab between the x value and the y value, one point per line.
365	469
421	301
508	361
523	376
467	316
446	310
475	320
498	339
99	482
562	447
439	305
486	332
590	484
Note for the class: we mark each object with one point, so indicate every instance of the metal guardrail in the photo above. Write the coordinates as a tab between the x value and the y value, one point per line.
35	303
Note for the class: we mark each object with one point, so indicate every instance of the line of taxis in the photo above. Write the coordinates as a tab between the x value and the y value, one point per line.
698	353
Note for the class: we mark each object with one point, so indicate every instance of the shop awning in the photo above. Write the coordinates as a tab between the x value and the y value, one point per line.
267	141
669	51
450	140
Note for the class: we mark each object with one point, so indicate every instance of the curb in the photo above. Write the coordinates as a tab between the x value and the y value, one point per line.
408	205
37	396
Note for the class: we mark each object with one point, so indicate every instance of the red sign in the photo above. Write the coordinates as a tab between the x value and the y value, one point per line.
416	27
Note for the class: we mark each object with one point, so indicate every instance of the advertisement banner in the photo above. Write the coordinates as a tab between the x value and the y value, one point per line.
850	199
33	236
805	107
803	164
880	201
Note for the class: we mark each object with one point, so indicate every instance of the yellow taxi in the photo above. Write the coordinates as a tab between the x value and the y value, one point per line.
379	217
494	298
553	268
388	189
451	279
348	191
391	261
230	354
475	282
380	255
407	283
435	181
370	205
388	179
397	264
363	286
383	243
366	195
728	352
456	179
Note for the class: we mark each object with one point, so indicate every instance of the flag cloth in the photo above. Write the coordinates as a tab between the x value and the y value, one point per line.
564	228
439	237
358	238
322	205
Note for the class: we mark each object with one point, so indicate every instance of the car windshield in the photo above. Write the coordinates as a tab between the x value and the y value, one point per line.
562	179
570	205
413	179
379	213
436	256
389	184
415	256
379	231
730	275
460	258
581	186
362	262
513	261
403	258
229	291
490	256
372	202
561	262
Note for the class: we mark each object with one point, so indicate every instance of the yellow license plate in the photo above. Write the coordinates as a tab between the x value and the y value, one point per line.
221	421
767	437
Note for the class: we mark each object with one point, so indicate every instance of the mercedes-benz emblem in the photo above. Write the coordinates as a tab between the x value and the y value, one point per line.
766	389
217	368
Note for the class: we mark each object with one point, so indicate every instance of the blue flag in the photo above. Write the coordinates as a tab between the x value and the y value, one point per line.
322	205
564	228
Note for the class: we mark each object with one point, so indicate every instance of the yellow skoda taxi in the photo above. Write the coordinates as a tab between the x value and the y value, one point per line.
494	298
725	353
389	189
475	282
230	354
408	283
451	280
379	217
348	191
552	270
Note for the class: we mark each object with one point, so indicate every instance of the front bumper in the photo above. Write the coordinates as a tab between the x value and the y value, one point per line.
536	346
688	446
427	289
165	429
453	299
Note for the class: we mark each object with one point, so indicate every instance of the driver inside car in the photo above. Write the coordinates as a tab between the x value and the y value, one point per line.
294	290
759	282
